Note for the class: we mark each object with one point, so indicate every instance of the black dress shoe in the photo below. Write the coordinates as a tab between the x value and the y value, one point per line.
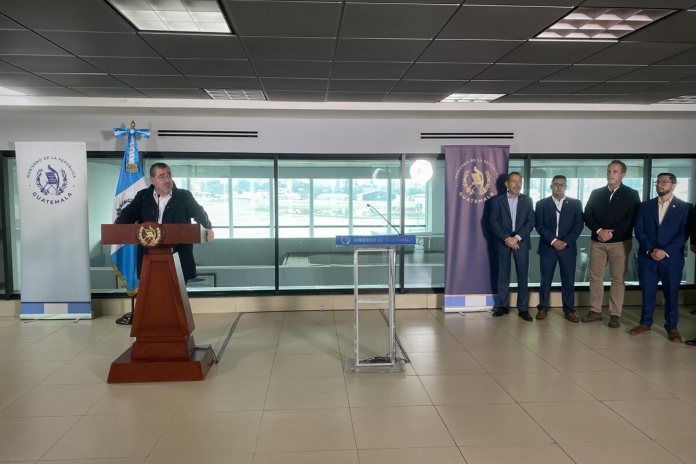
691	342
497	312
525	316
126	319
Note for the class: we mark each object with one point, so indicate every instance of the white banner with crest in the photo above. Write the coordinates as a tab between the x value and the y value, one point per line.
52	180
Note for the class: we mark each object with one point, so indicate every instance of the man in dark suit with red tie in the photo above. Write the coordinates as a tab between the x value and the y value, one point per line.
511	221
661	234
559	223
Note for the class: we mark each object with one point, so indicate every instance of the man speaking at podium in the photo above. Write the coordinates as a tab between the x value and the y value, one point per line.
163	203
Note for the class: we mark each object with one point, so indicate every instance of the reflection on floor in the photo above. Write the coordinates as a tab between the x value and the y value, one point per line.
479	390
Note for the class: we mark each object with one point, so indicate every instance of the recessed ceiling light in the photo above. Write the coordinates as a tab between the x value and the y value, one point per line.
10	93
173	15
235	94
684	99
602	23
472	97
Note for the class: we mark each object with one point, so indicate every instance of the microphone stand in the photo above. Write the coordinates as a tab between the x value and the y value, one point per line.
385	219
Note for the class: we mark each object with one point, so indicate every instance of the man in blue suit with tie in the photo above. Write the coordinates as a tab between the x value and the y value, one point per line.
661	233
511	221
559	223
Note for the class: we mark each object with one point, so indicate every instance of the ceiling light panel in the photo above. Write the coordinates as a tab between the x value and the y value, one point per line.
602	23
235	94
684	99
472	97
173	15
7	92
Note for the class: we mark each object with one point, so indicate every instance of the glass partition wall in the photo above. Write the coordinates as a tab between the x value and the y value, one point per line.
276	216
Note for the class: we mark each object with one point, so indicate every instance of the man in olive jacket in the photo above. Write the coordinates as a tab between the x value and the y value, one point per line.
610	214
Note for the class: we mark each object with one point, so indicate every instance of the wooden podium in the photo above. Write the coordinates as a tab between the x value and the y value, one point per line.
164	349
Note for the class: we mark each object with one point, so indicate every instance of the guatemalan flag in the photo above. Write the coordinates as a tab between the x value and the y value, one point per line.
124	258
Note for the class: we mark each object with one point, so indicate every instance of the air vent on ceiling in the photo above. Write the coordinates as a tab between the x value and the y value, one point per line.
467	135
203	133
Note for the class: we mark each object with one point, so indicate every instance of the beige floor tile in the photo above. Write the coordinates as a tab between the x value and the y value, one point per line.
10	393
579	360
546	339
659	419
189	434
303	331
31	332
26	439
223	395
308	318
243	347
81	331
684	449
519	454
234	366
618	385
464	389
512	361
313	344
305	393
110	436
419	343
449	455
489	341
9	349
106	349
645	358
596	335
385	390
429	326
398	427
491	424
544	386
153	398
308	365
370	345
580	422
445	362
679	382
252	325
53	351
243	458
27	373
308	457
306	430
56	400
140	460
634	452
81	371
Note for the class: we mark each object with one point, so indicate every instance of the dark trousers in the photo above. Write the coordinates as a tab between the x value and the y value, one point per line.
650	272
504	256
566	259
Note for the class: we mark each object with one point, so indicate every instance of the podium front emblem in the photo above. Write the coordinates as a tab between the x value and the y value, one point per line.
150	235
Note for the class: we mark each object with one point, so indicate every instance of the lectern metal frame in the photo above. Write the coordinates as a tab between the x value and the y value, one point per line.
376	244
391	360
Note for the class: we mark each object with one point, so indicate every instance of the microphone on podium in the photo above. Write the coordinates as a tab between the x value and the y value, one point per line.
385	219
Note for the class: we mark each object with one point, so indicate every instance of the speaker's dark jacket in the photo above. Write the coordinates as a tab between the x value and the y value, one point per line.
180	209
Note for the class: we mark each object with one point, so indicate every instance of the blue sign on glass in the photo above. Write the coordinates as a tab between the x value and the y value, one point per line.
375	240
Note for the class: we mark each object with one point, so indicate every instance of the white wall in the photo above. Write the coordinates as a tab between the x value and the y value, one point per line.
312	130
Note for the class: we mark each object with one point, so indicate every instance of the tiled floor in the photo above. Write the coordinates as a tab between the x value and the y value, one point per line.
478	390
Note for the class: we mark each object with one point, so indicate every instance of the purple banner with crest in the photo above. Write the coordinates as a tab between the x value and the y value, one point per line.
474	173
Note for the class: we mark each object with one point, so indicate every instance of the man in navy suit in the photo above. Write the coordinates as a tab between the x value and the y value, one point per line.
661	233
511	221
559	223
